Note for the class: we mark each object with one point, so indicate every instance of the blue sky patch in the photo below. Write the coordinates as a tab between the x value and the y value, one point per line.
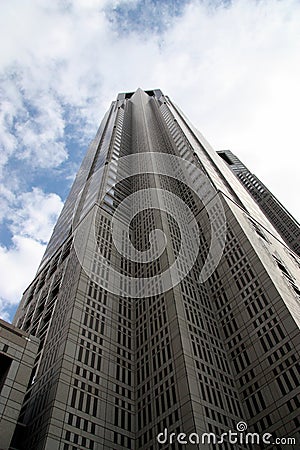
145	16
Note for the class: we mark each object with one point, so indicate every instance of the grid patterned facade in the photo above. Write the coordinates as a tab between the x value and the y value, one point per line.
113	371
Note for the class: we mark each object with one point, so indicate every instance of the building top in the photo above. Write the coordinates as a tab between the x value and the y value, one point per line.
152	93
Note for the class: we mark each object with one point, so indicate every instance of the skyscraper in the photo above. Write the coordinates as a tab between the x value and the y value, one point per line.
165	303
281	219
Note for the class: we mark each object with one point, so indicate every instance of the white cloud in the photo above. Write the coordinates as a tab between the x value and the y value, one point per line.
36	215
31	221
6	198
42	134
18	265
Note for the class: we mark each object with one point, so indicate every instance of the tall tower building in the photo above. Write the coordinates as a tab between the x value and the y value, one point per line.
166	301
281	219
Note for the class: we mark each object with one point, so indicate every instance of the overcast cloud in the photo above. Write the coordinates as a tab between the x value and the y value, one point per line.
232	67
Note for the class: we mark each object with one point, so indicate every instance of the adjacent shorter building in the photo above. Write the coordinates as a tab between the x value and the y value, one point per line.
18	351
281	219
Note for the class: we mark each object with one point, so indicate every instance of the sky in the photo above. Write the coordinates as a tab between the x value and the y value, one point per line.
233	67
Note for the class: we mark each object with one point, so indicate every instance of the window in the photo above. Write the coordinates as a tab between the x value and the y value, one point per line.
226	158
5	363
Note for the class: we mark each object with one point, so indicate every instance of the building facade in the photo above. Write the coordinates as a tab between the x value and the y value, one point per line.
18	351
162	303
